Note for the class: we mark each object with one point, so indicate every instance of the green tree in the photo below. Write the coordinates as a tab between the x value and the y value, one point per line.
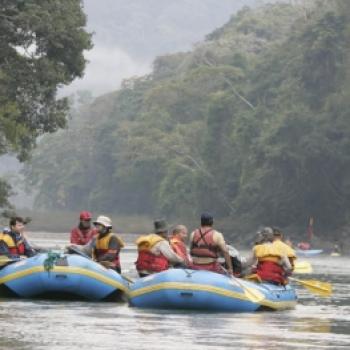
41	48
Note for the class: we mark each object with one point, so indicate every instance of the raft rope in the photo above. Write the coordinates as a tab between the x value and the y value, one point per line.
51	260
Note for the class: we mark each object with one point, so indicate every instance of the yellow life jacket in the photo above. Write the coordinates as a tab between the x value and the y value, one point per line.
103	243
146	242
268	252
288	251
7	239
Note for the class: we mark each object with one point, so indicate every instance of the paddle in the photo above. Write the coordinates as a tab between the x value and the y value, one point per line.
254	295
5	260
301	267
323	289
103	263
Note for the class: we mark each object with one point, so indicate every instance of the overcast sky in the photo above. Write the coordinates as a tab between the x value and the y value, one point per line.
129	34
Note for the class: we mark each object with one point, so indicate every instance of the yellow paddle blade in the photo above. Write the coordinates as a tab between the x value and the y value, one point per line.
302	267
4	260
251	293
323	289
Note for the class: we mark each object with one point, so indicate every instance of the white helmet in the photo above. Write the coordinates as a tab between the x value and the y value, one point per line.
104	220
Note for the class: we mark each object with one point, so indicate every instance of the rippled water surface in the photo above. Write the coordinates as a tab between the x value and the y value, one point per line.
316	323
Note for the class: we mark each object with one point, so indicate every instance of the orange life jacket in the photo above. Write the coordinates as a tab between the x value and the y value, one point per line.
146	260
179	247
203	244
15	248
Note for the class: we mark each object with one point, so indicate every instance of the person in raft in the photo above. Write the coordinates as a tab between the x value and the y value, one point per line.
154	251
206	246
13	242
106	246
271	261
177	242
277	240
84	232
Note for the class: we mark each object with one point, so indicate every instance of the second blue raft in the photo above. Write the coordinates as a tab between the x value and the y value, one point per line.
204	290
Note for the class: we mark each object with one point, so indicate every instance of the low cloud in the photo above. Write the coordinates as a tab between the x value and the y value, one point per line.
105	70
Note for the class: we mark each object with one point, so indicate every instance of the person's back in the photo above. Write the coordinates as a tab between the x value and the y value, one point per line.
284	247
206	245
272	263
154	251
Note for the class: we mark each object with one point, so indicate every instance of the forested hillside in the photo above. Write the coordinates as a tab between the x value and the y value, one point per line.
253	125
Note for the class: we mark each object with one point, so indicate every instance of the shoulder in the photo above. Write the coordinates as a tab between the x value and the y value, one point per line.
218	235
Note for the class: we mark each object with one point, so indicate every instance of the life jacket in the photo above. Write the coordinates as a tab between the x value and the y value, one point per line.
203	244
146	260
179	247
101	248
15	248
288	251
269	257
82	237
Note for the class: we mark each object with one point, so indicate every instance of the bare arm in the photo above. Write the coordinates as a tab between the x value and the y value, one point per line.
165	249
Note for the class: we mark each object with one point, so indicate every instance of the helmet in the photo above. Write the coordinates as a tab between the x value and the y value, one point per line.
85	215
104	221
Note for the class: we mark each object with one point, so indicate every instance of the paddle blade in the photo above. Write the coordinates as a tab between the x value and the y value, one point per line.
4	260
302	267
324	289
253	294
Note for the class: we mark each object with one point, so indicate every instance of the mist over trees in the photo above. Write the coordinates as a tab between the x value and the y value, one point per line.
251	125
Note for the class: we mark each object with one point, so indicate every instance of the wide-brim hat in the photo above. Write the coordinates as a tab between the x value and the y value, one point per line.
103	220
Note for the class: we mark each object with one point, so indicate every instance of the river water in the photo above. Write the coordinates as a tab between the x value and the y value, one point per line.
316	323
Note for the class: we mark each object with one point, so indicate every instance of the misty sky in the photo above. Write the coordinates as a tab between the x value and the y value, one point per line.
129	34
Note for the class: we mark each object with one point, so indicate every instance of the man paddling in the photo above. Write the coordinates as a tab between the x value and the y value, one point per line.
13	242
288	250
272	264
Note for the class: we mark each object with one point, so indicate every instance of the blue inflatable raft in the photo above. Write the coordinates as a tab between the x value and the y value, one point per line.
67	276
309	252
204	290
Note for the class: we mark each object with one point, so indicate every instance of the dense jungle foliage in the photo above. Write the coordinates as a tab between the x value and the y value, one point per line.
41	47
252	125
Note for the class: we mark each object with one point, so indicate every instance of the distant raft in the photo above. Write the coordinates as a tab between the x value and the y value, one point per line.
61	276
308	252
204	290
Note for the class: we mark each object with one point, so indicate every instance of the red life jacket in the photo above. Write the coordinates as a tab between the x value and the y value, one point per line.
146	260
203	244
270	271
102	247
82	237
151	262
15	248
